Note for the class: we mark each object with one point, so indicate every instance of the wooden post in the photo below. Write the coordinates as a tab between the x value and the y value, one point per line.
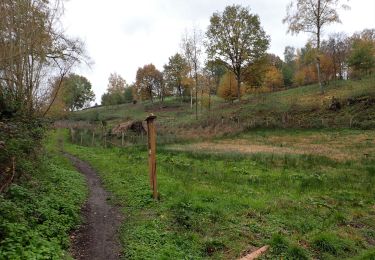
81	138
93	137
72	134
122	138
151	134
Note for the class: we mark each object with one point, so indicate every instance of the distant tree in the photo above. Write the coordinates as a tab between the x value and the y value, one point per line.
116	84
254	74
175	72
213	70
115	90
237	39
77	92
149	82
128	95
228	87
328	69
306	71
289	65
337	49
362	56
192	44
311	16
273	78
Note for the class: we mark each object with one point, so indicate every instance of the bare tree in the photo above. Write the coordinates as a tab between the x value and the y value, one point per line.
312	16
192	45
33	49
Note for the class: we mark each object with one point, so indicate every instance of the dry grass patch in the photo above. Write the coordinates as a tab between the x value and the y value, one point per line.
333	144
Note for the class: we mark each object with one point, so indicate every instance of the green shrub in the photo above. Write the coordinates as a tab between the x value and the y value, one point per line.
38	212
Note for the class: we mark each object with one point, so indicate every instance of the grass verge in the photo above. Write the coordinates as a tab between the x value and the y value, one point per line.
223	206
38	211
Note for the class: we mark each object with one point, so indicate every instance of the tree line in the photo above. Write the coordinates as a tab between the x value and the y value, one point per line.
231	58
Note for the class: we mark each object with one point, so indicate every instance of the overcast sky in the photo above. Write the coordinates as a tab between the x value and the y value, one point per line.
122	35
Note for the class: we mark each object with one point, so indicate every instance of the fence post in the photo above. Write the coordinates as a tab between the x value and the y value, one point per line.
93	137
122	138
151	134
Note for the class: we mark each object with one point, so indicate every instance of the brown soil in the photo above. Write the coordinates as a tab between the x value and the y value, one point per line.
97	238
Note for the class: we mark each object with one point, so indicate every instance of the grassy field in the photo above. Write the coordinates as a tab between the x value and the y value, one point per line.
223	205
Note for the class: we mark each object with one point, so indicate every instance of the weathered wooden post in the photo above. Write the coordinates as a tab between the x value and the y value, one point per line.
93	137
72	134
81	137
122	138
151	134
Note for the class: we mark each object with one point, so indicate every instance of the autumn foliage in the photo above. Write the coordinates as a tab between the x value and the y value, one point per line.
228	87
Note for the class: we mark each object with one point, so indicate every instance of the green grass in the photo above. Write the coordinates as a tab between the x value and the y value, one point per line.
39	210
220	206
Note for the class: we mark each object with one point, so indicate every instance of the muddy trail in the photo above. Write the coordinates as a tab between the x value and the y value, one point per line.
97	237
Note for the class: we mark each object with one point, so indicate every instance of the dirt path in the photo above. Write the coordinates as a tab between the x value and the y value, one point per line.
97	238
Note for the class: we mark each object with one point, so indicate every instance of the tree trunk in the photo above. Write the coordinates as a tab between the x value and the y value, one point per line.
318	48
196	99
239	87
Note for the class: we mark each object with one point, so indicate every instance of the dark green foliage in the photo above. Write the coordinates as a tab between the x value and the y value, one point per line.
362	57
38	213
128	95
77	92
20	139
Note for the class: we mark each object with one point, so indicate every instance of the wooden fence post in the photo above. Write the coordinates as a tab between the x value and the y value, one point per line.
81	138
151	134
93	137
72	132
122	138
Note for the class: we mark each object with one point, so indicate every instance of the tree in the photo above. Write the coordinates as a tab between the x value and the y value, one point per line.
214	71
115	90
362	56
128	95
311	16
289	65
192	45
33	49
273	78
236	38
228	87
253	75
306	71
337	49
149	82
175	72
116	84
77	92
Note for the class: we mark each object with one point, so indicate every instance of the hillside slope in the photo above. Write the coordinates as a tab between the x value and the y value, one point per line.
344	104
